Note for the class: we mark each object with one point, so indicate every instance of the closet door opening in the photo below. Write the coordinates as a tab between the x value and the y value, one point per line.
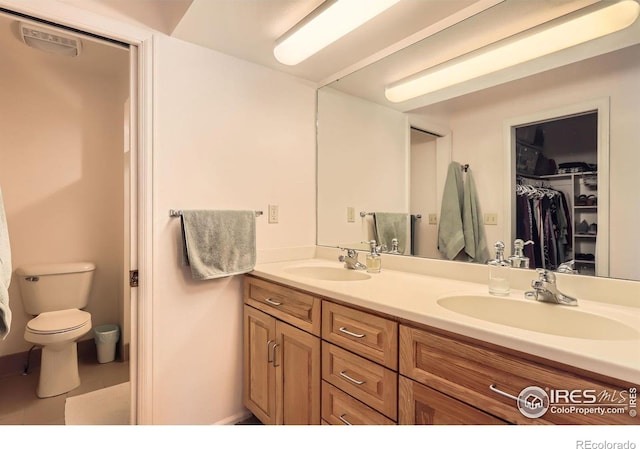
559	192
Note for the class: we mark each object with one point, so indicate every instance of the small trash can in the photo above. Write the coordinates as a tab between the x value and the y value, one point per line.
106	337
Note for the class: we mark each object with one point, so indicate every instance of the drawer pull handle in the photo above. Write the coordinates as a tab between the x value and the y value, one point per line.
493	388
274	355
345	331
268	349
272	302
351	379
341	418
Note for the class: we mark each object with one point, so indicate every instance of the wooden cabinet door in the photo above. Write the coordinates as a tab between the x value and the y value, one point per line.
297	376
259	390
419	404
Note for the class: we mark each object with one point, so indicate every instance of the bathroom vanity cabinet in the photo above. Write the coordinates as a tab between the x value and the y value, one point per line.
490	379
359	366
281	354
313	359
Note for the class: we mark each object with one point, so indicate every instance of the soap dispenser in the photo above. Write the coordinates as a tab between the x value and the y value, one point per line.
519	260
499	272
374	261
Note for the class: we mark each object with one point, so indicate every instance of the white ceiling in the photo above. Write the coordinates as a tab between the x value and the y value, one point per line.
414	34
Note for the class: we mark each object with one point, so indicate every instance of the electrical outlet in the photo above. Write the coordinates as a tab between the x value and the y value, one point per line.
351	215
491	219
273	213
433	219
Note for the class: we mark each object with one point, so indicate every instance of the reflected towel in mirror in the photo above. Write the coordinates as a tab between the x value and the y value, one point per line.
389	226
450	229
475	242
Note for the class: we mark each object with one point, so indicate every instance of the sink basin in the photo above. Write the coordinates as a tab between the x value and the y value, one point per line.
328	273
540	317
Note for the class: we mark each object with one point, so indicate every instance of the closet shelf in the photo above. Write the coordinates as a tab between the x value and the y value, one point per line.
592	236
557	175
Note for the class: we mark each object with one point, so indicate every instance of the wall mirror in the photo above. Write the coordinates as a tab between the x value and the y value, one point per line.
376	156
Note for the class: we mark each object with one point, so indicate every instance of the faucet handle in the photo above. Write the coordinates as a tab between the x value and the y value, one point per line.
567	267
546	275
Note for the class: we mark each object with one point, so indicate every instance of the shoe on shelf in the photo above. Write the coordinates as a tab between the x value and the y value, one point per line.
593	228
582	227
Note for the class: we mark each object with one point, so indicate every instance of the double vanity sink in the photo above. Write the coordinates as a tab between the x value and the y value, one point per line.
524	314
596	336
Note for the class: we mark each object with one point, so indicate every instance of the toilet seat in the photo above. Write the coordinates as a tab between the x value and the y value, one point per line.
58	322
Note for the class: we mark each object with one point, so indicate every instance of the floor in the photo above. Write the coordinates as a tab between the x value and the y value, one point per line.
20	405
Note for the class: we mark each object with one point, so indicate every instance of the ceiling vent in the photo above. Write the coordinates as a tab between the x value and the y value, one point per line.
48	40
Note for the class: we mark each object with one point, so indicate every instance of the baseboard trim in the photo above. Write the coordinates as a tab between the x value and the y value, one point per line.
234	419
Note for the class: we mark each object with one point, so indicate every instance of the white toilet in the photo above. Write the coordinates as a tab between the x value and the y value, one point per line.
55	293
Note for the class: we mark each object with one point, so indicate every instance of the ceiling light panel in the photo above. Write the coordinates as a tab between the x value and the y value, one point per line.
551	39
326	24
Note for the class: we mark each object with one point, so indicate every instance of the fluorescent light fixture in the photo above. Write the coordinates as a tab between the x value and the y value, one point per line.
326	24
595	24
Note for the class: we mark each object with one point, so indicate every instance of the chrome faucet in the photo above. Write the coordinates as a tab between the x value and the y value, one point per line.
545	290
351	260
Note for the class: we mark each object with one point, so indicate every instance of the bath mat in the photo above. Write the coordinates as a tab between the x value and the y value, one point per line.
106	406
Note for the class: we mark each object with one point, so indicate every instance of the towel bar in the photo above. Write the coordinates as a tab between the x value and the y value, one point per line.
178	213
364	214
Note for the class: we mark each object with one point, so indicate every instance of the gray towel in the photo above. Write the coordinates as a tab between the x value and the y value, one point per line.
5	273
450	230
475	242
389	226
219	243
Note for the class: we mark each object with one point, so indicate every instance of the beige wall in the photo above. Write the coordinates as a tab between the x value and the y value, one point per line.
362	164
61	171
228	135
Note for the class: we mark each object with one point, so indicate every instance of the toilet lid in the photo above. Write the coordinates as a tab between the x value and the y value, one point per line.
58	321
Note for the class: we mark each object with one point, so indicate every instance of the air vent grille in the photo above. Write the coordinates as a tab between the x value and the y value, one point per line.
46	40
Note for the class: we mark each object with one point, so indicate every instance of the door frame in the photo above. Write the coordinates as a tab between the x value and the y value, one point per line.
602	107
141	140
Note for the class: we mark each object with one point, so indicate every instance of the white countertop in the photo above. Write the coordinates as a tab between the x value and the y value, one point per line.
414	297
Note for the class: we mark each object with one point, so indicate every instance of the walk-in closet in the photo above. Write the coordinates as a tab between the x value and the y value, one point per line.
557	191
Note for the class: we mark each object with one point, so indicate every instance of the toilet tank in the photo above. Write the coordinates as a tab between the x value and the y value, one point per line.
50	287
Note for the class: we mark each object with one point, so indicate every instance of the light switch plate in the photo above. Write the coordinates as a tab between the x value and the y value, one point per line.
273	213
351	215
491	219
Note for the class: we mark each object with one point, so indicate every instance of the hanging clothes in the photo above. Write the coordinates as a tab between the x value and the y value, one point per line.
542	215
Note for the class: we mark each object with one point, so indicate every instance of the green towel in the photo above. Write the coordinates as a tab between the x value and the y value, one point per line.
450	230
5	273
389	226
475	243
219	243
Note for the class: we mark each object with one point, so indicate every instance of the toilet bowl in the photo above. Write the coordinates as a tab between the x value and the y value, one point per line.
57	333
54	294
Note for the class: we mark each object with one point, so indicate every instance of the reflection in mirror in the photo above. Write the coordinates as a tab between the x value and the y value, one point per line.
369	163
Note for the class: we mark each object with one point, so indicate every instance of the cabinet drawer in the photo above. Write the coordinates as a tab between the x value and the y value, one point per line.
367	381
294	307
423	405
492	381
340	408
371	336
